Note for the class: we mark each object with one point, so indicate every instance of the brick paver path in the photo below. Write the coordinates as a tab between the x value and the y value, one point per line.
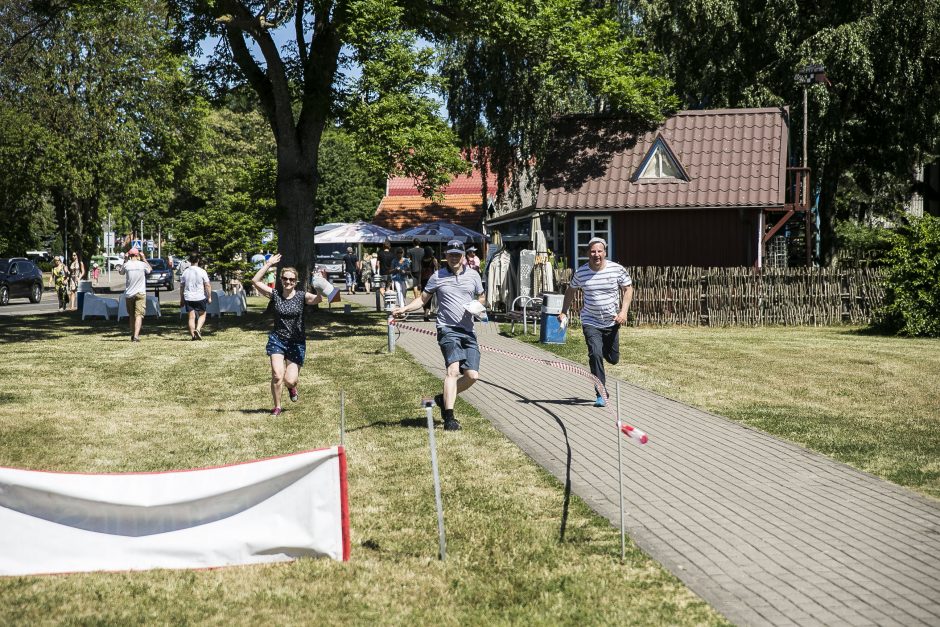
765	531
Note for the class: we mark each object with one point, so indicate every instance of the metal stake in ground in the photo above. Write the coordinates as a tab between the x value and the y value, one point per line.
623	539
428	405
391	335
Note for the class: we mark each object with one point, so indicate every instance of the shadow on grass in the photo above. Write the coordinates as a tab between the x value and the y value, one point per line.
409	423
321	324
564	431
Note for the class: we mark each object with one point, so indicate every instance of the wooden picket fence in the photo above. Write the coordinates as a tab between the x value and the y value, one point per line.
749	297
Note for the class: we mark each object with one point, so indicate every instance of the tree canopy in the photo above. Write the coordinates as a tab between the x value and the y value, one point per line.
536	55
867	132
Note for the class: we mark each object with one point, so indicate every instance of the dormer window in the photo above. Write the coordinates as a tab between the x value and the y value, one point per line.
660	164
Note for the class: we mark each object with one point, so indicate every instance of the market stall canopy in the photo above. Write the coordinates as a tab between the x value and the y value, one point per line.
355	233
439	232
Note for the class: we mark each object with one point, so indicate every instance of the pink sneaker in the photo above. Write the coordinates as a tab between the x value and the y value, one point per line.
276	411
292	392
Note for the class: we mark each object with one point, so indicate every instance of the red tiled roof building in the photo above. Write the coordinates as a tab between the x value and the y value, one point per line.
699	190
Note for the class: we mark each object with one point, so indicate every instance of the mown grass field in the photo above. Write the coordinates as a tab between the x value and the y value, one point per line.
870	401
79	396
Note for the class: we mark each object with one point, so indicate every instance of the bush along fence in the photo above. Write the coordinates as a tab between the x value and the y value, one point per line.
750	297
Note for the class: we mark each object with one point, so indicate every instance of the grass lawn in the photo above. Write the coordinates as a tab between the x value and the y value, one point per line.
79	396
870	401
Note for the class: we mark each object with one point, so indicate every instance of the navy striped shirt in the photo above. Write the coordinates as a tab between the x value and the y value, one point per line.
601	291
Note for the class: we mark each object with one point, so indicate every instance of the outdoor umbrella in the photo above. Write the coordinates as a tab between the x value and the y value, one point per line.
439	231
356	233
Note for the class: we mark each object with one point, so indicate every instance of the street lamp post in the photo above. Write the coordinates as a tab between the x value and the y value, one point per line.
807	76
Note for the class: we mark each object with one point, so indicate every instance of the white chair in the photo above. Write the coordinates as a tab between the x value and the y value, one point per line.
153	307
99	306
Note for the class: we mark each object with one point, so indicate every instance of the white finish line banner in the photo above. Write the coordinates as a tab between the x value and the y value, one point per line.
270	510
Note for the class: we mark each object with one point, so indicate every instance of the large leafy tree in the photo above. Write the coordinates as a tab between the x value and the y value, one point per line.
225	199
867	132
389	107
113	100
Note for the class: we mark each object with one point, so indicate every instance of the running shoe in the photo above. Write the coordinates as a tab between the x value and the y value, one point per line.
276	411
451	424
600	402
292	392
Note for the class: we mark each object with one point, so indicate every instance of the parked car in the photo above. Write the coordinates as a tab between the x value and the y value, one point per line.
114	261
333	264
20	278
161	277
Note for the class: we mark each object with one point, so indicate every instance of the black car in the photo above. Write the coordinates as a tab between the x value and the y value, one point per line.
161	277
20	278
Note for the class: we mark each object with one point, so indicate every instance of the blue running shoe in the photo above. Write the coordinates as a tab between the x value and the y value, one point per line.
600	402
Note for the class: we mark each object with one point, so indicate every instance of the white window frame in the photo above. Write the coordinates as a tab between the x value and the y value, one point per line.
607	235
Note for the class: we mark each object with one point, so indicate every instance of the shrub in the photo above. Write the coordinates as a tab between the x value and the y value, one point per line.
912	293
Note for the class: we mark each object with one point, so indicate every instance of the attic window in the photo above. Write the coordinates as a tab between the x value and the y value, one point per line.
660	164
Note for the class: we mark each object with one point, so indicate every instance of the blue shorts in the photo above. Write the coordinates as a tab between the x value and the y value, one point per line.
292	351
458	345
196	305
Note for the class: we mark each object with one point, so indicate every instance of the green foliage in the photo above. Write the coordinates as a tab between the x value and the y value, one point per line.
347	190
880	117
114	101
516	66
227	196
862	241
26	218
912	295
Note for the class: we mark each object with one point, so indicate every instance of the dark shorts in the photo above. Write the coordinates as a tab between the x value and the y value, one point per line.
196	305
292	351
458	345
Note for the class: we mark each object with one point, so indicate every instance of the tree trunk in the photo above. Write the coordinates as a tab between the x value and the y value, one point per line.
295	196
827	213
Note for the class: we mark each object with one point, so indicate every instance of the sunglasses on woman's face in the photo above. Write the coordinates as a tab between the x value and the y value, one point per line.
288	279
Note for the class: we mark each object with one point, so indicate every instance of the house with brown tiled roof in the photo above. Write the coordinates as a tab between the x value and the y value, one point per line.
404	207
706	188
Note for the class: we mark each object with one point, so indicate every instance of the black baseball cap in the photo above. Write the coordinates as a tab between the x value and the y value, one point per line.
455	246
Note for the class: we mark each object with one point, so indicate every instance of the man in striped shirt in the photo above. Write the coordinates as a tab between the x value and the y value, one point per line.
608	291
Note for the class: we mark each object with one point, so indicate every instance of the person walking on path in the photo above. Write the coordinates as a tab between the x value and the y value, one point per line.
195	295
135	270
366	272
287	342
416	255
386	258
601	282
456	287
351	266
429	266
401	270
76	274
60	278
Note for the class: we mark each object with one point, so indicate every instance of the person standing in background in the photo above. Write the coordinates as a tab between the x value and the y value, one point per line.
386	258
135	270
416	255
60	278
351	267
76	274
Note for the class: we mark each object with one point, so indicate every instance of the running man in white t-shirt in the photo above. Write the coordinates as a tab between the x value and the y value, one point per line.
608	291
195	295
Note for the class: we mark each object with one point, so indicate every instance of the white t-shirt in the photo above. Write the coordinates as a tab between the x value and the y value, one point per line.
193	279
136	272
601	291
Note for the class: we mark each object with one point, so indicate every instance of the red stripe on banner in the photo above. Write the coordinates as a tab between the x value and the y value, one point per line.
632	432
344	499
